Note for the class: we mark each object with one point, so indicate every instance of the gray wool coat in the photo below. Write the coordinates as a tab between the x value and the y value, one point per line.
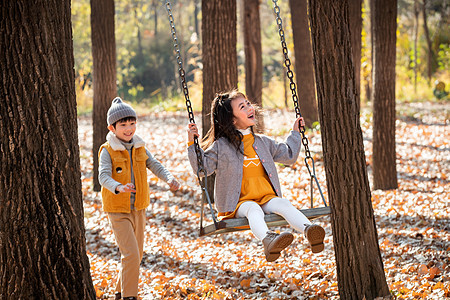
227	164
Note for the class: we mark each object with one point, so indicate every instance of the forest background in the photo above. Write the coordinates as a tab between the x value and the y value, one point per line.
147	76
147	73
55	240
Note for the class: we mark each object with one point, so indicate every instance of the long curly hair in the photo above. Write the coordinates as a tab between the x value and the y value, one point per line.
222	123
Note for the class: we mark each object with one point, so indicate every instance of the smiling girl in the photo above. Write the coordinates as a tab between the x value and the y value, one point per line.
246	183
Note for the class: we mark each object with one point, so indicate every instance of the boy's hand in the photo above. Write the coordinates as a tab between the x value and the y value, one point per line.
127	188
173	184
192	132
298	121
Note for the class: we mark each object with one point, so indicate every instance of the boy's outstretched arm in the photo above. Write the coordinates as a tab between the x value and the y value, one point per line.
173	184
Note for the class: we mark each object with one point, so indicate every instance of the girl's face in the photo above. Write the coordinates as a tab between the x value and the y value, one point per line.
124	130
243	112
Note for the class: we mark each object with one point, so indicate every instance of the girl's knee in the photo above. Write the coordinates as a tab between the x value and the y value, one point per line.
249	207
286	202
277	205
256	210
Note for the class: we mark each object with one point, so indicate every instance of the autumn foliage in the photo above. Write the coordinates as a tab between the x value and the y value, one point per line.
413	221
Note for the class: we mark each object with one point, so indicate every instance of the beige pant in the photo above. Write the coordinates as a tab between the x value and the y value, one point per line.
129	232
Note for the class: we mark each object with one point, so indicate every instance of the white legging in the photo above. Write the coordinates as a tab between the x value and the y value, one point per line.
280	206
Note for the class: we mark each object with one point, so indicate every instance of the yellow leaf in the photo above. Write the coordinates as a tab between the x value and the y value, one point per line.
104	283
98	292
438	286
423	269
245	283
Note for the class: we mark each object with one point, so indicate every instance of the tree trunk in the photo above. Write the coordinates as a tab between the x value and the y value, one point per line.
140	54
104	79
253	56
355	16
220	73
359	266
430	54
219	52
304	69
416	37
155	5
42	242
196	12
384	24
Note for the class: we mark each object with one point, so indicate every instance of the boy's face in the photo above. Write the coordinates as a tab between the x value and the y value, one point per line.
124	130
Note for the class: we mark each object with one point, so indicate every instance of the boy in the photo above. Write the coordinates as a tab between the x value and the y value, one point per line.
123	163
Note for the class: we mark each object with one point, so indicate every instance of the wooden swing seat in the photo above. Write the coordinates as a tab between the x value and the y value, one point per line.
239	224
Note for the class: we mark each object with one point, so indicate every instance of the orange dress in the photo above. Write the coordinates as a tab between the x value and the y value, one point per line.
255	186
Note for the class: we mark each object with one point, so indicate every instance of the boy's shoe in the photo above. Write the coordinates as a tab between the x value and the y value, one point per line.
130	298
315	235
117	296
274	243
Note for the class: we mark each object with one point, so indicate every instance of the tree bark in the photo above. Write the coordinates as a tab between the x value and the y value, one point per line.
104	72
253	56
384	25
155	6
219	52
430	53
219	57
304	69
416	37
355	16
196	13
140	54
42	242
359	266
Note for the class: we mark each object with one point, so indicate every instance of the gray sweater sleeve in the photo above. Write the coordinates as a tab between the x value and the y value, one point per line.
157	168
210	158
286	152
105	172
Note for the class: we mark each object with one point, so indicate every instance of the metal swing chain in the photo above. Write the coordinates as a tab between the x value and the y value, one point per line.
292	86
201	168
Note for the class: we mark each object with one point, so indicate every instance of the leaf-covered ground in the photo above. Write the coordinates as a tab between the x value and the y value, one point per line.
413	221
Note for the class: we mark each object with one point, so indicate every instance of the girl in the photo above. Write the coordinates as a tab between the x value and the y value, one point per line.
246	183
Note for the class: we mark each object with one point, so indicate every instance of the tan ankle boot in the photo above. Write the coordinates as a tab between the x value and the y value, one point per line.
274	243
315	235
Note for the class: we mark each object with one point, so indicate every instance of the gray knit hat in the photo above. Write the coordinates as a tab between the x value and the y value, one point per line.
119	110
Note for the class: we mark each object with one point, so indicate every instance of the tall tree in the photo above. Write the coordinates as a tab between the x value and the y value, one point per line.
384	25
253	55
416	37
304	69
104	78
196	13
155	6
219	38
42	242
355	17
220	73
430	54
360	270
137	7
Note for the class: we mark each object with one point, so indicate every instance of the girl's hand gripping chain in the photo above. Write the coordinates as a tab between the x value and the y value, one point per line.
192	132
302	124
